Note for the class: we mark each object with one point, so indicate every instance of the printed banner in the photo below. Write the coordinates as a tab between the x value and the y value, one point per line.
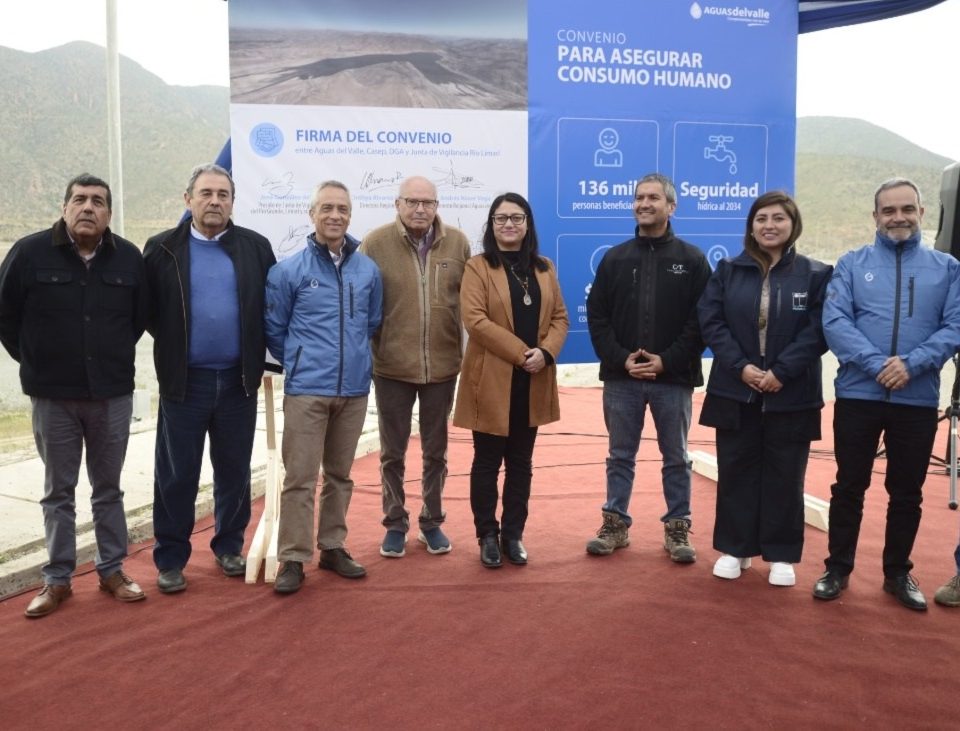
568	103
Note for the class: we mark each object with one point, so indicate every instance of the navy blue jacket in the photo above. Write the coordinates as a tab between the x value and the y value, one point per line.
729	311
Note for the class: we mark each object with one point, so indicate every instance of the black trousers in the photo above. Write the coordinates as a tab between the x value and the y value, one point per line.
761	467
515	452
908	434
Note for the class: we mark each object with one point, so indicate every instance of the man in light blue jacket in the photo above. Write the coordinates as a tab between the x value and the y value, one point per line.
322	306
892	318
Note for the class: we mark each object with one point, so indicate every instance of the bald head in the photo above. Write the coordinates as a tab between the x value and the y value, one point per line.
417	205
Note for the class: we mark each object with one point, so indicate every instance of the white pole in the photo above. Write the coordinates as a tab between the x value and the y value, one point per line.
113	118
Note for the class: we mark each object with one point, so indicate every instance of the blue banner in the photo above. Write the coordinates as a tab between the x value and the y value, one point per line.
704	93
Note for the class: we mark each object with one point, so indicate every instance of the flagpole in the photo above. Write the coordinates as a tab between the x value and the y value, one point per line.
113	119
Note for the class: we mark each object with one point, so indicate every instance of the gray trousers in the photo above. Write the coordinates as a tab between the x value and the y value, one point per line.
395	401
62	428
317	431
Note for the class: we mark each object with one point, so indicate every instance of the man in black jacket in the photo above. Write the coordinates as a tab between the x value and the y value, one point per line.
642	315
73	305
207	280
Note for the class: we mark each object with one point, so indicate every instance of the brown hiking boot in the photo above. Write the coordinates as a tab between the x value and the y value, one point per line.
676	541
611	536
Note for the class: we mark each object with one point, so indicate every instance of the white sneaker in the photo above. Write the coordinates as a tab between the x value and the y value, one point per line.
781	574
728	567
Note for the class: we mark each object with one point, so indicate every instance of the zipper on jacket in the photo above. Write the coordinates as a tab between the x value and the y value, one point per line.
352	312
183	309
778	300
911	291
896	309
340	359
896	301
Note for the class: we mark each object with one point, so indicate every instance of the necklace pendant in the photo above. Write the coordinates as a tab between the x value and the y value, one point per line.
527	300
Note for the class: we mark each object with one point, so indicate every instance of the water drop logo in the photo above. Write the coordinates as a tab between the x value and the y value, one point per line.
266	139
696	12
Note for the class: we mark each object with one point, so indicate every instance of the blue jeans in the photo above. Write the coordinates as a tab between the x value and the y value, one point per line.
624	405
216	403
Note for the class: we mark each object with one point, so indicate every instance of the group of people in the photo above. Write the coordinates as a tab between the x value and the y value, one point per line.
391	311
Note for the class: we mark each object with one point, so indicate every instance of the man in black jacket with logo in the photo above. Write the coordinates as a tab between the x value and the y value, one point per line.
642	315
73	305
207	280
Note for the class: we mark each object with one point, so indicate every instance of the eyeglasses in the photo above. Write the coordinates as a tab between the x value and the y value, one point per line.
414	203
515	218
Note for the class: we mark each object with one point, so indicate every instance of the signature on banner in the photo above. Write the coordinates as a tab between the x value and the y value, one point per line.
370	180
453	179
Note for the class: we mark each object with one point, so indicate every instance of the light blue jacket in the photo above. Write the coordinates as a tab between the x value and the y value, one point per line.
319	319
893	298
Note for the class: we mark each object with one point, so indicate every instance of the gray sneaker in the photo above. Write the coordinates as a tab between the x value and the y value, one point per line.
676	541
611	536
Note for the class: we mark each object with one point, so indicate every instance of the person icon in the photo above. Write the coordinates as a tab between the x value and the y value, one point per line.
608	156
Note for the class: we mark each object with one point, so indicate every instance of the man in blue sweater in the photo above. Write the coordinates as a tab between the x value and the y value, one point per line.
892	318
206	280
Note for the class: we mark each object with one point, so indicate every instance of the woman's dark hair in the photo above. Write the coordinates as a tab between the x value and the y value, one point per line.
771	198
529	248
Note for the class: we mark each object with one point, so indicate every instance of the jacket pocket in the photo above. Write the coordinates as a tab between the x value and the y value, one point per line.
54	290
117	292
296	362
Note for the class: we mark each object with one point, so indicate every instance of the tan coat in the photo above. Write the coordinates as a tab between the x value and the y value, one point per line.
493	351
420	340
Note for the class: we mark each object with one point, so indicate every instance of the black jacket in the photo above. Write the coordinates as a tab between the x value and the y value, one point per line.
645	296
167	258
73	330
729	310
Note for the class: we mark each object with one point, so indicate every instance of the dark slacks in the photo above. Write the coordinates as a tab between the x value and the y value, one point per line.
908	433
761	468
62	429
515	452
395	401
215	404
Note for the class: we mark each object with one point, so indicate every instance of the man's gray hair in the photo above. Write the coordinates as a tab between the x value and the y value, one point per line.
895	183
210	167
669	189
328	184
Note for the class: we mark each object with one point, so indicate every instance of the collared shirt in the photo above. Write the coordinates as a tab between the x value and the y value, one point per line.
87	258
424	243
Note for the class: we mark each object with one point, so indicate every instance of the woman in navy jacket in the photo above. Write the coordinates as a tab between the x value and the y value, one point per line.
761	316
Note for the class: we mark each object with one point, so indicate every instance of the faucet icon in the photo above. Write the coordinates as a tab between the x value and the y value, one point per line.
721	153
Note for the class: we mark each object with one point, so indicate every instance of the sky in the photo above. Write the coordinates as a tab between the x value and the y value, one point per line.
885	72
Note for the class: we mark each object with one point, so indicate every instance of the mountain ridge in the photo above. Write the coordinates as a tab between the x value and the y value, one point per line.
168	129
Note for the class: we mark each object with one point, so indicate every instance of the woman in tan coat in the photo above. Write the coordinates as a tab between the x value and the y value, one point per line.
516	321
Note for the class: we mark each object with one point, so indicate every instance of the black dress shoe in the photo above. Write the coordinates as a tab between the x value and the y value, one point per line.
490	552
514	551
170	581
906	591
232	564
830	585
290	578
338	560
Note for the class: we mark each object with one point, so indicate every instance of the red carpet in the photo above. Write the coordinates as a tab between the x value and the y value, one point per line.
569	641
